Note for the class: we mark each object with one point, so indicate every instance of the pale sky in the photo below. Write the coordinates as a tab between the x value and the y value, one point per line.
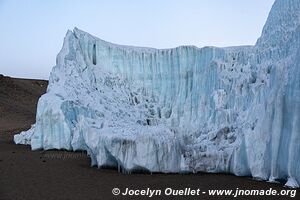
32	31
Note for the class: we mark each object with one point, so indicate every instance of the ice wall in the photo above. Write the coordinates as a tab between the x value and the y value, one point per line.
185	109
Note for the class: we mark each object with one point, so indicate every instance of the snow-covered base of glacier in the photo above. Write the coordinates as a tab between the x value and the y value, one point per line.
188	109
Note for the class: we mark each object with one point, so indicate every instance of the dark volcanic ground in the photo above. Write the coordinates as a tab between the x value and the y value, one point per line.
26	174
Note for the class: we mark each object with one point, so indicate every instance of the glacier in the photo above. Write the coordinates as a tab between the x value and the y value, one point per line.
187	109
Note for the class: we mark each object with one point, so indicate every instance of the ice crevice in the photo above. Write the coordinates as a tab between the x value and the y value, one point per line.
187	109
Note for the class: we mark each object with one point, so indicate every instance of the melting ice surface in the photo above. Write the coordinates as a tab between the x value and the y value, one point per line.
187	109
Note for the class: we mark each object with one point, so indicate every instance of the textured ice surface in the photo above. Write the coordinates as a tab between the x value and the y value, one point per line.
186	109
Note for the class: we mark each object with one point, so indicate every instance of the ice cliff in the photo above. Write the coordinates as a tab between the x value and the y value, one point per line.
186	109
